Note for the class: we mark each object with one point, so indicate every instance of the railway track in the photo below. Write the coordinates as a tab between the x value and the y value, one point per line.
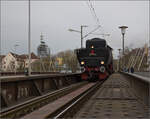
29	106
114	99
54	108
74	105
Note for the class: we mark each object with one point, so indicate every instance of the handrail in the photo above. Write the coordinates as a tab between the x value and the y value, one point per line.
142	78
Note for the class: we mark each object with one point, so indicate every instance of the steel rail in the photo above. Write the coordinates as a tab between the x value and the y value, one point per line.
35	103
78	101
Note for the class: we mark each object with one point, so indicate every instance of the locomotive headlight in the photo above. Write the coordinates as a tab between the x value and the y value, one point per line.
102	62
102	69
82	62
92	46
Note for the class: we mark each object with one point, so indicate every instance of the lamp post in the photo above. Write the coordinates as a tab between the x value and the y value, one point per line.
123	29
80	32
0	39
119	58
29	38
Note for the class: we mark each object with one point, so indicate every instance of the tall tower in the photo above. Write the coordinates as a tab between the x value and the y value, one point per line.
43	49
41	37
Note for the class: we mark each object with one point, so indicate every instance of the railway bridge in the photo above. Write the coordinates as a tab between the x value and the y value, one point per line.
112	74
41	96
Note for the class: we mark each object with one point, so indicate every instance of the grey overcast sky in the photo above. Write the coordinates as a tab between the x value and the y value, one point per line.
54	18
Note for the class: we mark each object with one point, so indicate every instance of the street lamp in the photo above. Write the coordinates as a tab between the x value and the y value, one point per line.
123	29
82	37
72	30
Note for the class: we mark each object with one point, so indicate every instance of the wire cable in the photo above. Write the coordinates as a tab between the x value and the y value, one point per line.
94	15
92	10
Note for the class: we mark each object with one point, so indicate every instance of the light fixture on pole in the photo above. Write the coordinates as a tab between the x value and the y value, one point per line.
82	37
81	32
72	30
123	29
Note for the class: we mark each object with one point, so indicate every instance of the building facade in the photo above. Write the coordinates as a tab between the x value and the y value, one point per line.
1	59
26	59
13	62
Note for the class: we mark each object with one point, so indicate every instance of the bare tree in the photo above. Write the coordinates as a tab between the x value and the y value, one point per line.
69	58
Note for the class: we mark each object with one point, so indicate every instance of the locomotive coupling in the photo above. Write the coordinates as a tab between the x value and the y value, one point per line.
102	69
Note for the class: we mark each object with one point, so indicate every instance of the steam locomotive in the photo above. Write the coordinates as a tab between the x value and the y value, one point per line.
96	60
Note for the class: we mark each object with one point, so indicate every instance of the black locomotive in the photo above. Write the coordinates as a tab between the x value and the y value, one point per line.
95	60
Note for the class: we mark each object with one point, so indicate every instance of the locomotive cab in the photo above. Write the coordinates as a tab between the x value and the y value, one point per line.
96	43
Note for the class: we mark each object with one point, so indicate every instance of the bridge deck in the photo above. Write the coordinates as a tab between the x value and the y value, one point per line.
115	99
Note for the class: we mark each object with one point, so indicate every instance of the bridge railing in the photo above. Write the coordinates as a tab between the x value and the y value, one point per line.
21	88
23	73
140	85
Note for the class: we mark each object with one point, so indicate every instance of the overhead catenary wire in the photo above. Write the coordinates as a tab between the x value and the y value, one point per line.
94	15
92	10
91	32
